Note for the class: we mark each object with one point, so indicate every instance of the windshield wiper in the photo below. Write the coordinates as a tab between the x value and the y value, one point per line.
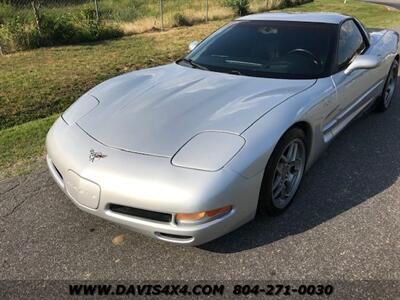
193	64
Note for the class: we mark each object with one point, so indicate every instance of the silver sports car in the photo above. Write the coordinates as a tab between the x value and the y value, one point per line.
189	151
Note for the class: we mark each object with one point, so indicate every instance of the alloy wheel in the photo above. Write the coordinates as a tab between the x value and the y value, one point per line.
390	87
288	173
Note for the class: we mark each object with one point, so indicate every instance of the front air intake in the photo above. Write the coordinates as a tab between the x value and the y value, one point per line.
141	213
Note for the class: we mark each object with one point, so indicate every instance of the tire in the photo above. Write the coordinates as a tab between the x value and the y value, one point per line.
389	90
278	171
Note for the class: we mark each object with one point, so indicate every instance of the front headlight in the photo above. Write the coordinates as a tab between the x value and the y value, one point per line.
208	151
80	108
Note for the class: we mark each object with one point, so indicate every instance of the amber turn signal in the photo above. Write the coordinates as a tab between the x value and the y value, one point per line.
203	214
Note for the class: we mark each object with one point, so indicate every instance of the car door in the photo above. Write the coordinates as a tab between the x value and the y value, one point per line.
354	89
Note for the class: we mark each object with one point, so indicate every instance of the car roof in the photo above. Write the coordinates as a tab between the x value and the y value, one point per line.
315	17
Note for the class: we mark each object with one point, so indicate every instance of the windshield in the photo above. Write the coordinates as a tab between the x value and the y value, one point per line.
273	49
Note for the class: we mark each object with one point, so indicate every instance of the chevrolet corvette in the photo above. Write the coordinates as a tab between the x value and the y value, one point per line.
189	151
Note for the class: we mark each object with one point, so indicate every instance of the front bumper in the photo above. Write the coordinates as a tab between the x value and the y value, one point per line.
148	183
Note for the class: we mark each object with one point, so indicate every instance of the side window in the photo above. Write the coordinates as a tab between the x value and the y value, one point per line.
351	42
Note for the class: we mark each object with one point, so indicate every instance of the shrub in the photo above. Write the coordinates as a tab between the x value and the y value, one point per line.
16	35
6	11
71	29
240	7
292	3
288	3
181	20
55	30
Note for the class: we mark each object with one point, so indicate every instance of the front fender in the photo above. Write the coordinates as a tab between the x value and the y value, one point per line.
261	138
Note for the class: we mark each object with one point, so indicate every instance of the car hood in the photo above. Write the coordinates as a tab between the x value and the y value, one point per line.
156	111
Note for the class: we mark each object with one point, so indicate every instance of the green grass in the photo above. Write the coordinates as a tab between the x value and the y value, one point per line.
41	83
372	15
22	145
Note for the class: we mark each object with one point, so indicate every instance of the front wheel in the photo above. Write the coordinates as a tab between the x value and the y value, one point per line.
284	173
389	90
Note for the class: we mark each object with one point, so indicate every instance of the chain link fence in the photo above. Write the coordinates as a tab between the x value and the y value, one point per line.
25	23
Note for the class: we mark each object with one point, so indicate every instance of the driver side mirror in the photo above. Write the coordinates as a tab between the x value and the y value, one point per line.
363	62
193	45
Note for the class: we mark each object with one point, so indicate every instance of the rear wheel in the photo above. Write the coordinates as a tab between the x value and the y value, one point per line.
389	90
284	173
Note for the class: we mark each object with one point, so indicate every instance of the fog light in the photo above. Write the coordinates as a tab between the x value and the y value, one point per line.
203	215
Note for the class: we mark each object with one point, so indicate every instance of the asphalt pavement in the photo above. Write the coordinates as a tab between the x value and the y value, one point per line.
344	224
390	3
